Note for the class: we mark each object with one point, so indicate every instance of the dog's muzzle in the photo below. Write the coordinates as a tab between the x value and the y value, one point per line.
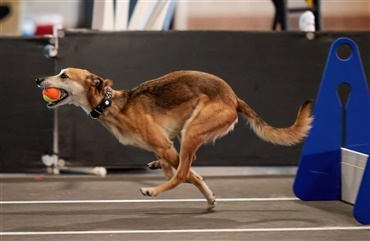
39	80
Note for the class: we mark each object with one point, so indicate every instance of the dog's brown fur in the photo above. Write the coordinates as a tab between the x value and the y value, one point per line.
194	106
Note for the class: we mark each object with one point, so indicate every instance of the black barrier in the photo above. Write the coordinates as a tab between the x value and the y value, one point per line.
26	124
273	72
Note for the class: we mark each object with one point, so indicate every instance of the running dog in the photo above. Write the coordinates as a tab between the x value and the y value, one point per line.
193	106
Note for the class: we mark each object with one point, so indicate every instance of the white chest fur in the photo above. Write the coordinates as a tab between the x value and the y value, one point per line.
127	139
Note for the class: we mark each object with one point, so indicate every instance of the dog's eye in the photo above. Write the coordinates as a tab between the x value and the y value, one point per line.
63	76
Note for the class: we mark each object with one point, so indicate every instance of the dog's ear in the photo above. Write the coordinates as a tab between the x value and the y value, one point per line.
97	82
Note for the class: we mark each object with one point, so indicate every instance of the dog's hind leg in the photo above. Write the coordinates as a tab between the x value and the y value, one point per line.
208	122
198	181
168	156
194	178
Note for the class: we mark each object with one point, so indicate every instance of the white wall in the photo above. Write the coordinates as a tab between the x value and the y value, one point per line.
186	9
229	8
265	7
68	9
262	8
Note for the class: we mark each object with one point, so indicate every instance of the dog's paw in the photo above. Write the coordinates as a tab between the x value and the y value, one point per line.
211	204
154	165
147	191
211	199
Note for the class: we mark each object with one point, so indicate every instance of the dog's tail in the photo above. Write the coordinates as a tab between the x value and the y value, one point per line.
280	136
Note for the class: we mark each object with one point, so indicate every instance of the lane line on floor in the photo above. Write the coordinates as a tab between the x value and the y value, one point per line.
149	201
306	229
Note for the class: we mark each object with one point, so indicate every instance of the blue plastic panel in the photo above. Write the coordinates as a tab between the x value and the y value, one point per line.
318	176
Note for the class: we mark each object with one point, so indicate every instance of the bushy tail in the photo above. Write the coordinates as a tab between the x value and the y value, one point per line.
280	136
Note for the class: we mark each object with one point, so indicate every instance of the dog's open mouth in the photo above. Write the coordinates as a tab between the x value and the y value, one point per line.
63	96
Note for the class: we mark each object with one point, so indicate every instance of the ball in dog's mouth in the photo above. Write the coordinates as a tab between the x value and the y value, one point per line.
53	96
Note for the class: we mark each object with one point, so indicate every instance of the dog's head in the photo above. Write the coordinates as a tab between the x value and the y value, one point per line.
77	86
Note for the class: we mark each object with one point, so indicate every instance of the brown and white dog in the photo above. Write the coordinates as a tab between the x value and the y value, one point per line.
194	106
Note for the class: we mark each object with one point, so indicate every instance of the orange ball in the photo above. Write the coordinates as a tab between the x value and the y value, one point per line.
51	94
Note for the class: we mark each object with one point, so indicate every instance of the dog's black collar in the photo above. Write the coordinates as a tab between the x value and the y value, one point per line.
105	103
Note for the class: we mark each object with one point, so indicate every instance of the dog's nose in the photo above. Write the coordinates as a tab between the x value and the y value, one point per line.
39	80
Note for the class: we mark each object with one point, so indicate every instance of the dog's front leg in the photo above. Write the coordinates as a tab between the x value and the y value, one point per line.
167	169
165	151
194	178
163	154
154	165
183	172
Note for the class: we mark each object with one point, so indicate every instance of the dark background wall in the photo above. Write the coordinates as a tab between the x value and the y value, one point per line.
273	72
26	129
